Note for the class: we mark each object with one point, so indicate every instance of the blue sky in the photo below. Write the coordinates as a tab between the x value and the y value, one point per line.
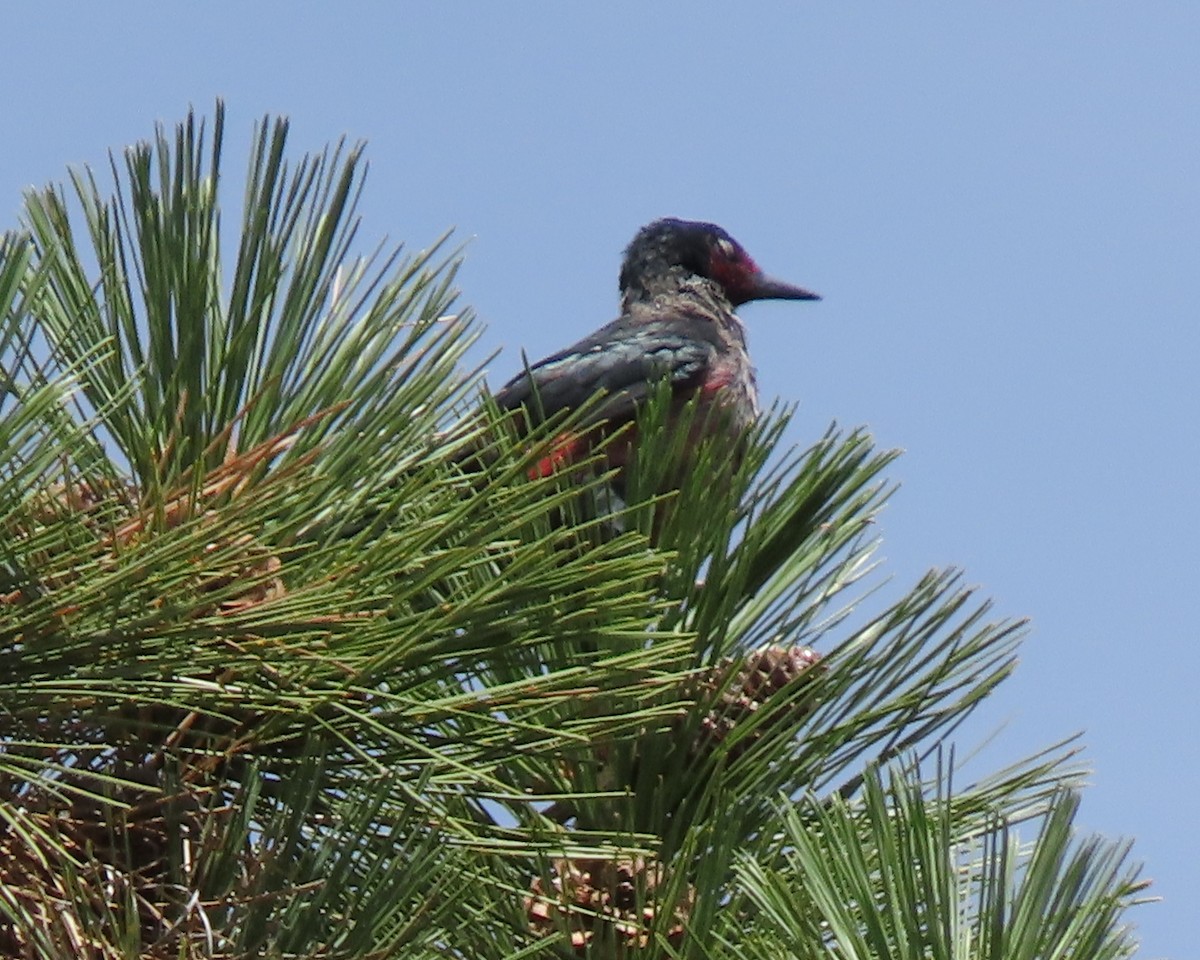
999	202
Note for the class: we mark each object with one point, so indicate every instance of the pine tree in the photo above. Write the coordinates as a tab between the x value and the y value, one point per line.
285	675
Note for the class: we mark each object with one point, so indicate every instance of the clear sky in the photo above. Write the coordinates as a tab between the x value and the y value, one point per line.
1000	203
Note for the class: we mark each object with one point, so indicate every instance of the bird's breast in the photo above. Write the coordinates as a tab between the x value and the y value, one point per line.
731	379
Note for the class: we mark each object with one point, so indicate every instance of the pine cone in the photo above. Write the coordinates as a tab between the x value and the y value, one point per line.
745	686
593	898
257	572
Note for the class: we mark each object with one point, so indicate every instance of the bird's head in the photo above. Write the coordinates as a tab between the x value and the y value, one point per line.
669	249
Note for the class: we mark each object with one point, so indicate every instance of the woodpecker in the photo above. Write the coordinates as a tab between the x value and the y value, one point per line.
680	282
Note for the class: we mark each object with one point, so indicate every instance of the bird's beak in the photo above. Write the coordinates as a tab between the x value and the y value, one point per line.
763	287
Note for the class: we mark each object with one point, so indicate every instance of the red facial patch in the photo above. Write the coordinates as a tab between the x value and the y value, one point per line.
734	273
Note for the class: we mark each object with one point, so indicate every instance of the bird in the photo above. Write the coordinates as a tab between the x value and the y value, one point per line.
680	282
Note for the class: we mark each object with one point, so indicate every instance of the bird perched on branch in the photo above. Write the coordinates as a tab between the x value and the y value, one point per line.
680	282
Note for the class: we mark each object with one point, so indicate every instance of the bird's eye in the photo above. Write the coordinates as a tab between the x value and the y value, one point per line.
727	247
